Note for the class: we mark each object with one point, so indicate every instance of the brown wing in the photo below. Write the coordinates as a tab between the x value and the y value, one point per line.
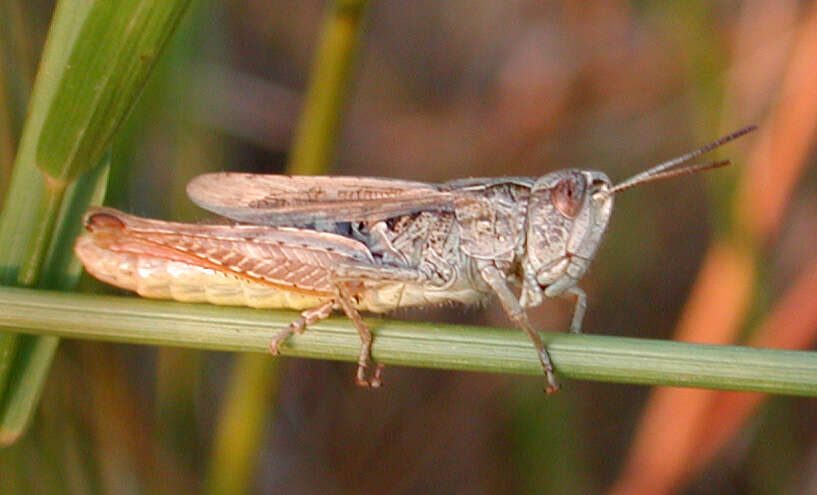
293	259
300	200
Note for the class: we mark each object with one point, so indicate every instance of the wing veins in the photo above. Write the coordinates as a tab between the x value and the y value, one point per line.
281	200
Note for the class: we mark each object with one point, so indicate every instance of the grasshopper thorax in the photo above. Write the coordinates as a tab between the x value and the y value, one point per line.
567	215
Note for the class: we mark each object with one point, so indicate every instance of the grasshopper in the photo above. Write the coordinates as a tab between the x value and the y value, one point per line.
318	244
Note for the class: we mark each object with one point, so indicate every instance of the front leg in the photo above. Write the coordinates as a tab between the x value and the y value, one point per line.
578	310
496	281
567	285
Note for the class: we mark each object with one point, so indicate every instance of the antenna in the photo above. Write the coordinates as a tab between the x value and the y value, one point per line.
662	170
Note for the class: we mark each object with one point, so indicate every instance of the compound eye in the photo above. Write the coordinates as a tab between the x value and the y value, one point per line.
567	196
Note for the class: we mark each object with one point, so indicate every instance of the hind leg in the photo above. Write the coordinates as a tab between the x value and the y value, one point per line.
344	301
364	361
342	276
308	317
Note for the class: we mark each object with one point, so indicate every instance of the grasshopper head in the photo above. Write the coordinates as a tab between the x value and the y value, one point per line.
567	215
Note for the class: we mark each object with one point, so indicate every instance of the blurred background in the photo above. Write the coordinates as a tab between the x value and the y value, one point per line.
442	90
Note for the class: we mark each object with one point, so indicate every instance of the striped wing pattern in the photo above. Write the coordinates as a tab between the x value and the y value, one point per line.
289	258
298	267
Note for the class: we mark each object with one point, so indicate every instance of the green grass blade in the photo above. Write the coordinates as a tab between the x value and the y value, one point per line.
96	60
26	377
105	52
592	357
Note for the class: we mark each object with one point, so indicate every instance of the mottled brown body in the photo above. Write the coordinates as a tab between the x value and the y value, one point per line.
357	243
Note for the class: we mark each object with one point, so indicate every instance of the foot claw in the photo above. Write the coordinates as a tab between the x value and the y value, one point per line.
375	381
551	383
377	378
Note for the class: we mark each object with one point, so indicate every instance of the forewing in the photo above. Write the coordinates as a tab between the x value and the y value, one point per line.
301	200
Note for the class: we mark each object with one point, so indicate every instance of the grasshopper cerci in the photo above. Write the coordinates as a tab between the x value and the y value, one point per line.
318	244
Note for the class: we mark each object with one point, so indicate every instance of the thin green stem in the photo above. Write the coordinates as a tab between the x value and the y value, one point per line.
239	434
316	135
251	389
592	357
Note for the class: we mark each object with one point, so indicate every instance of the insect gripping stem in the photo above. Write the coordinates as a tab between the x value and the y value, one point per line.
665	170
371	244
